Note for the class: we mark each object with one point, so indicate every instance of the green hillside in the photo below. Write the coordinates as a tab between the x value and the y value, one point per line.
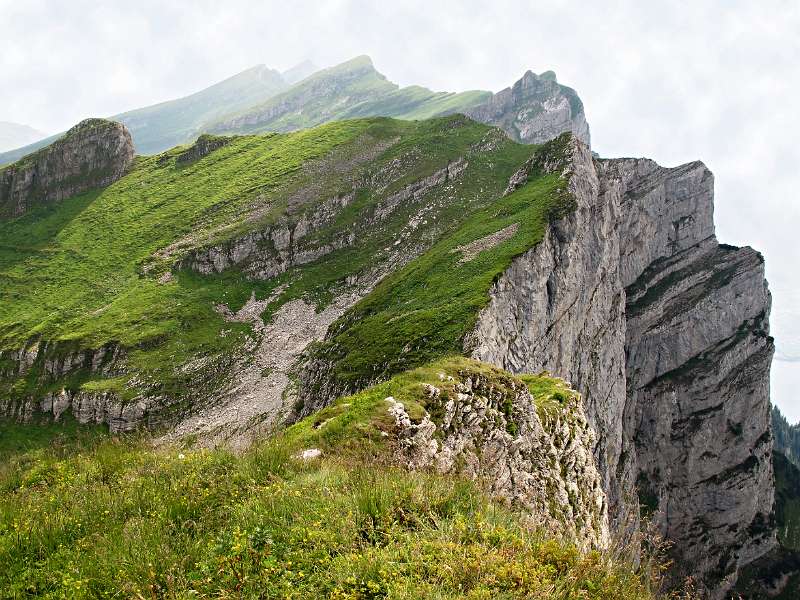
166	124
351	89
100	268
84	515
162	126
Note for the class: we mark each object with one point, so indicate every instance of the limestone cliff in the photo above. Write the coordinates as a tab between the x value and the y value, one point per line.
698	357
665	333
93	154
535	109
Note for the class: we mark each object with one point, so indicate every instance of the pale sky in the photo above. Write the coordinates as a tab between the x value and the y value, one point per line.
673	81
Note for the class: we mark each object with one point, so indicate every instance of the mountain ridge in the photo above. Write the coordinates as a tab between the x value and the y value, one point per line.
15	135
218	291
350	89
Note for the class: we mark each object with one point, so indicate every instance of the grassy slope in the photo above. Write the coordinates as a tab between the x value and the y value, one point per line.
415	102
424	310
75	273
95	517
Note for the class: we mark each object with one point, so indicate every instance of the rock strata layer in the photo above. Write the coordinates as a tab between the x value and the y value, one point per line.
93	154
665	333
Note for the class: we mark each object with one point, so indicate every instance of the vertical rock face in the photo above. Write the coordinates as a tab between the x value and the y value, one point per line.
560	307
698	356
94	153
665	333
534	110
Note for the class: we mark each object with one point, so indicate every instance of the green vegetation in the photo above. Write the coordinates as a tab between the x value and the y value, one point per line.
349	90
787	501
415	102
94	270
79	271
424	310
167	124
782	565
17	439
787	436
353	424
89	516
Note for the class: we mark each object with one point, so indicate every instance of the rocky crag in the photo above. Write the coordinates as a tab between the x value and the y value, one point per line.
93	154
665	332
535	109
535	452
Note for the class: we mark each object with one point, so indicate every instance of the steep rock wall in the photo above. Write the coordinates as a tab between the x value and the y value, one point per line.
665	333
560	307
49	364
698	356
93	154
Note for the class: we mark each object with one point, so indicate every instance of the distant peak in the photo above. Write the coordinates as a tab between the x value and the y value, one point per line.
299	72
357	66
545	76
362	60
359	62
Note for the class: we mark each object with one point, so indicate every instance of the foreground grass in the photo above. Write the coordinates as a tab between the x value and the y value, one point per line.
99	517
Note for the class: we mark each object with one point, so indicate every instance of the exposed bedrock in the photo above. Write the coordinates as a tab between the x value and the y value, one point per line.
665	333
544	465
93	154
50	364
534	110
560	307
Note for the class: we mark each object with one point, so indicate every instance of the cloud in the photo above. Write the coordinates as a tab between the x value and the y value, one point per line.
673	81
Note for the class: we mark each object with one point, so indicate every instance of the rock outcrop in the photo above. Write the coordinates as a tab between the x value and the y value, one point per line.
665	333
560	307
49	364
487	426
93	154
534	110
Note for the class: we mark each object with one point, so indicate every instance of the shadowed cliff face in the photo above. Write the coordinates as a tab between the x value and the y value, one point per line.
93	154
698	354
665	333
